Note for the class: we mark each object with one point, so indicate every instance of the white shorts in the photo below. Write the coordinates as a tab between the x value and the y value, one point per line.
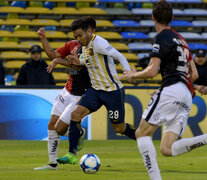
64	104
170	106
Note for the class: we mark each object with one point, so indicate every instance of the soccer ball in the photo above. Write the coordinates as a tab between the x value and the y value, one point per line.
90	163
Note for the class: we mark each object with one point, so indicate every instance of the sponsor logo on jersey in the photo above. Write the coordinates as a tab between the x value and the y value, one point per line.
156	48
109	48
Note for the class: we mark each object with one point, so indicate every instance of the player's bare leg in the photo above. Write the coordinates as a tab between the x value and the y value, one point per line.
170	146
147	149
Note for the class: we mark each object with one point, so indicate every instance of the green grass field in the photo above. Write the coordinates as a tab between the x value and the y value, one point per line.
120	160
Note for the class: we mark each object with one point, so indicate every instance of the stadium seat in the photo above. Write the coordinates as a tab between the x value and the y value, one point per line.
90	10
12	16
28	44
11	9
49	5
36	10
198	12
204	35
66	22
14	64
25	34
142	55
180	23
5	33
125	23
146	23
147	5
199	23
60	84
64	10
177	12
35	4
50	28
82	5
134	35
70	35
191	35
56	34
21	28
104	23
118	5
17	22
118	11
9	45
61	4
14	55
45	22
140	46
4	3
5	27
60	76
22	4
152	34
56	45
195	46
120	46
141	11
109	35
130	56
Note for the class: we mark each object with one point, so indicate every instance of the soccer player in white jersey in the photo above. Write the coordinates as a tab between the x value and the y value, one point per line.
98	56
172	103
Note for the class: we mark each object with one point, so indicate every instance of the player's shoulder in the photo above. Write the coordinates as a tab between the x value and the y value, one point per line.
99	40
72	42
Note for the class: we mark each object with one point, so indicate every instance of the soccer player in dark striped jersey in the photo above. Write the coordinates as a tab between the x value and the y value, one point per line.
172	103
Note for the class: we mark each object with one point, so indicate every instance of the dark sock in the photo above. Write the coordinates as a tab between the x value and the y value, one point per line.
130	131
74	134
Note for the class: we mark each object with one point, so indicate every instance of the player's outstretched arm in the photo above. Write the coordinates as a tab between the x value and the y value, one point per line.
149	72
193	71
46	46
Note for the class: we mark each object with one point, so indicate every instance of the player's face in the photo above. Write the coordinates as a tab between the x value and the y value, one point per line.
82	36
36	56
200	60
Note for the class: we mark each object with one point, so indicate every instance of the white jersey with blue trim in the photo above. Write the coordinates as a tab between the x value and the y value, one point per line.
100	64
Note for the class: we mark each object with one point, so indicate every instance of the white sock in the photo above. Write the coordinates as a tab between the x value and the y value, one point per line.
185	145
53	142
149	155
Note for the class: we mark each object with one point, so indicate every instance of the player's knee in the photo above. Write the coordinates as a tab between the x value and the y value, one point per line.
76	115
119	128
166	151
51	125
59	131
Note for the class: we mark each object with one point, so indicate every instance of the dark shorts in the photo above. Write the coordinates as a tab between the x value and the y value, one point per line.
113	101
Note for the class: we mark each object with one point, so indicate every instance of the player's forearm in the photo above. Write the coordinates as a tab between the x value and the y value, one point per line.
47	48
123	61
66	63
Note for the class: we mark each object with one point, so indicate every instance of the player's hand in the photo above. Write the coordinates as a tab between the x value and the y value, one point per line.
153	93
127	74
73	59
52	65
41	33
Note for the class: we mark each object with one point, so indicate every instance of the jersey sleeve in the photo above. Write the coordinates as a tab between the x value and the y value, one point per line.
156	47
65	50
103	47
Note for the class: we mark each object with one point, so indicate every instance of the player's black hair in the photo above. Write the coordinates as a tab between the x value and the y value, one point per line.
91	21
79	24
162	12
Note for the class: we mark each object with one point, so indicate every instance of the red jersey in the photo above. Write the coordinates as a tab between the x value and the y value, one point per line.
78	81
